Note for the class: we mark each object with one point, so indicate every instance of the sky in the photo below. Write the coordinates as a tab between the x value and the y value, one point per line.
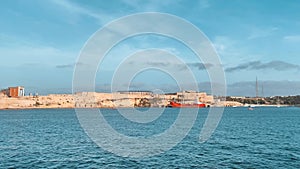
40	42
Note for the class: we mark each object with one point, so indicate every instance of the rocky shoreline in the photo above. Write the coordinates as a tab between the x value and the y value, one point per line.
106	100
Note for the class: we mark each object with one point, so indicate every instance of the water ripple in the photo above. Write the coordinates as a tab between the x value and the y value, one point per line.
263	138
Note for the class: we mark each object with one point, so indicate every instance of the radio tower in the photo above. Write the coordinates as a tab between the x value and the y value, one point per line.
256	88
262	91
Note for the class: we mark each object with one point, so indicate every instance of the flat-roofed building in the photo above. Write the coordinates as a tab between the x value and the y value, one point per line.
18	91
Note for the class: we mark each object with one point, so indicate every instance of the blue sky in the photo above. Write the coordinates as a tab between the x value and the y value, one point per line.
41	40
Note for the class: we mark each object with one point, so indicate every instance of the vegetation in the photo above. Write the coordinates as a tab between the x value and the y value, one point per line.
274	100
289	100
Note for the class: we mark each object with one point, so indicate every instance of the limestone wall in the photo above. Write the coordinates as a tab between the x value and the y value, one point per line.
88	100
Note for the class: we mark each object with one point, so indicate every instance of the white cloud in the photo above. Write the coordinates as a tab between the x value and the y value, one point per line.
19	55
204	4
149	6
226	48
232	51
292	38
79	10
15	51
261	32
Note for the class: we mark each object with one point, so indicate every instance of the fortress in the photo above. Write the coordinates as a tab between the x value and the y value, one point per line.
106	100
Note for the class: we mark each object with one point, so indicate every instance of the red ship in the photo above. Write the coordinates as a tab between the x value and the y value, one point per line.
178	105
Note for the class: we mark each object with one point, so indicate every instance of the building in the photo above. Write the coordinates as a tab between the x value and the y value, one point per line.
136	92
190	97
14	91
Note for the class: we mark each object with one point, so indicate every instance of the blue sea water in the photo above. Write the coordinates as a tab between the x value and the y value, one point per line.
53	138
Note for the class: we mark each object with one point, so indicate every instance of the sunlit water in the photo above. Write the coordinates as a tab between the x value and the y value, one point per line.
262	138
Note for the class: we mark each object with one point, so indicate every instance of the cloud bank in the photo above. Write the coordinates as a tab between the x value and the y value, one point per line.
258	65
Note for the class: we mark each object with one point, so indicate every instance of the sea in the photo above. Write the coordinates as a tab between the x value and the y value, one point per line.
53	138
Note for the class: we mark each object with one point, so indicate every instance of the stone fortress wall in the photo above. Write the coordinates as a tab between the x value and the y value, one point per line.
104	100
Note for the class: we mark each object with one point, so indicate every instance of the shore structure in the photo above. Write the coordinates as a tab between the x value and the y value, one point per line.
14	91
104	100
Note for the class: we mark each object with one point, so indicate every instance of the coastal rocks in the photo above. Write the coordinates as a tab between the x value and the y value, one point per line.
99	100
143	102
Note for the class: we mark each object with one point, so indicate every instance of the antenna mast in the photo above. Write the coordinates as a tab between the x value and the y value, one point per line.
262	90
256	88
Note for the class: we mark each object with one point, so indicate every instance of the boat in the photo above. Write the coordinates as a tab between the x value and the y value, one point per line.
250	108
174	104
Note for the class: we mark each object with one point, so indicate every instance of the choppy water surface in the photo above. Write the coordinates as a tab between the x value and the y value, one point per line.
262	138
